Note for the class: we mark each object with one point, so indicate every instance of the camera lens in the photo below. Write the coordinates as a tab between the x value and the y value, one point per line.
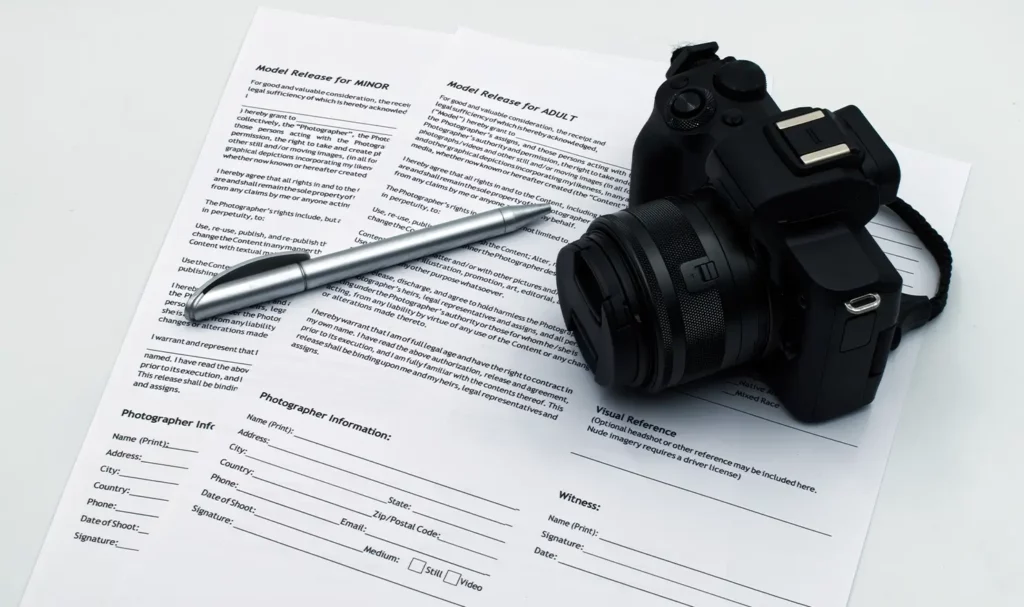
663	293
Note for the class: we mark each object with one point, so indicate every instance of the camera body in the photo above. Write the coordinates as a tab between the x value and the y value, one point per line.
756	231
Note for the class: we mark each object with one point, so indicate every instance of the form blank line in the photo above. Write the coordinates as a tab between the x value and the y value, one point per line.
266	109
885	225
458	527
152	480
307	533
135	513
220	360
366	459
324	558
906	244
289	507
891	254
427	554
597	556
660	596
124	548
704	495
373	480
311	496
146	497
313	478
165	465
180	449
778	423
467	549
717	577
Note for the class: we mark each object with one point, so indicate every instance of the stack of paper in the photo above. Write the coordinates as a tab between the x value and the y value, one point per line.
427	435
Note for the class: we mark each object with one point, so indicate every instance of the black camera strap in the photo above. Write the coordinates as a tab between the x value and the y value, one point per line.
916	310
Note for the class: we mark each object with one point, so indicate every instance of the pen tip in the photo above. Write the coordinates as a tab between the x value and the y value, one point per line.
518	216
190	308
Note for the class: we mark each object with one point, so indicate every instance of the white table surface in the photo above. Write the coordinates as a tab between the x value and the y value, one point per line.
104	107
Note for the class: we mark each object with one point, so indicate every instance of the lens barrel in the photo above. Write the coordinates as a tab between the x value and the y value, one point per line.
663	293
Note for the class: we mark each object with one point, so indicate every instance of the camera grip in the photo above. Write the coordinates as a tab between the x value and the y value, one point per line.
662	164
837	325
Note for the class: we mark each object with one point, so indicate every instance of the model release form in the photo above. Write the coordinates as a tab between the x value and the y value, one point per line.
430	438
309	109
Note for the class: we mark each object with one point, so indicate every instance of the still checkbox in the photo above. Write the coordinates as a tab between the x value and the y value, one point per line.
417	565
452	577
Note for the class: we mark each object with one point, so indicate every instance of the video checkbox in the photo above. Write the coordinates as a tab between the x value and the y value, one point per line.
417	565
452	577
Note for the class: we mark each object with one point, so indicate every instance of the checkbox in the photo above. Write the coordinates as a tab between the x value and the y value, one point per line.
417	565
452	577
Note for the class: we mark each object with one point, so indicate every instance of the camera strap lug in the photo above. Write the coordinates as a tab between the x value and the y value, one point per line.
863	303
915	311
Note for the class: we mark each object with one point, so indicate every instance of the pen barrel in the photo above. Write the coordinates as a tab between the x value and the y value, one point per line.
402	248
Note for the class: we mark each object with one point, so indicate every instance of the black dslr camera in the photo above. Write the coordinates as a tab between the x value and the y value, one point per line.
745	244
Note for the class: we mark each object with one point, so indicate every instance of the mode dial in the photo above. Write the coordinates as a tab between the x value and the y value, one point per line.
741	80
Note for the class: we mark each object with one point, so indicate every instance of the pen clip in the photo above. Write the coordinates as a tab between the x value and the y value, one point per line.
249	267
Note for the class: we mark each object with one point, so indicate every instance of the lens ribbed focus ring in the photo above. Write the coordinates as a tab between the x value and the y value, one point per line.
664	332
700	314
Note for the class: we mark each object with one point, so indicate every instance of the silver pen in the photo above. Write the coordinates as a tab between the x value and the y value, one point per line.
279	275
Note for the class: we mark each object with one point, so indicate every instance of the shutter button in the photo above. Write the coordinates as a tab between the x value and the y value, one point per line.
690	109
687	104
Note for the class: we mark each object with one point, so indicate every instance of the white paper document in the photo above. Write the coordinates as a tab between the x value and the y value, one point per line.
309	109
427	435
